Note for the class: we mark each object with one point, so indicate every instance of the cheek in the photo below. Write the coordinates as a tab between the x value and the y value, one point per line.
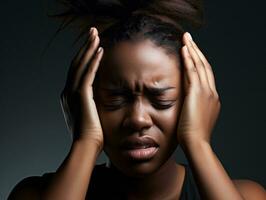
167	120
110	122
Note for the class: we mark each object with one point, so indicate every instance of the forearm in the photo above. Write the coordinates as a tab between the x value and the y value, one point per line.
211	178
72	178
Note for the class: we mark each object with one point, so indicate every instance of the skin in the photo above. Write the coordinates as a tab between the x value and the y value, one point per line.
189	125
129	66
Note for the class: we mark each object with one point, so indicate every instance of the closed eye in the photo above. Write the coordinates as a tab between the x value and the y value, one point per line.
117	103
163	104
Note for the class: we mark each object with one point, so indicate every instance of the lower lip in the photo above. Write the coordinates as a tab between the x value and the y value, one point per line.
141	154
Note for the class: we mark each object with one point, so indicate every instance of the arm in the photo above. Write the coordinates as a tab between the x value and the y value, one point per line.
199	114
213	181
73	176
72	179
69	182
210	176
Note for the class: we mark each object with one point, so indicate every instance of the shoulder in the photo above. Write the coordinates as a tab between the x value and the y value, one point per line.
27	189
250	189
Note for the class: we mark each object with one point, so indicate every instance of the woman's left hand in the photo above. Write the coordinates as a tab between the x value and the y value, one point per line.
201	105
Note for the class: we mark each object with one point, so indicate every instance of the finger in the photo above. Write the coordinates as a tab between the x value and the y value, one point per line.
89	74
90	50
84	47
82	51
82	60
197	62
75	63
86	58
208	67
190	69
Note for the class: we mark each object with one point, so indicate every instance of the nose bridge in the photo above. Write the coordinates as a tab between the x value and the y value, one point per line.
138	116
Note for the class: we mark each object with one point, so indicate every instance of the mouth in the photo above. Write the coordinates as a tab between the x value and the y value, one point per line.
139	148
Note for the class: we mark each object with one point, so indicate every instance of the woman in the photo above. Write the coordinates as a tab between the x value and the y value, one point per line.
139	93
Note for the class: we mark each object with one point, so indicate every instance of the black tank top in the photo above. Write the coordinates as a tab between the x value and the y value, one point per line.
189	188
103	186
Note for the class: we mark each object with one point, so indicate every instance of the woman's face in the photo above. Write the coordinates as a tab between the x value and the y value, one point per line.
131	106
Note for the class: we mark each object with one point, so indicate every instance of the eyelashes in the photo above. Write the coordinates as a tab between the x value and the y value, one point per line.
163	104
117	103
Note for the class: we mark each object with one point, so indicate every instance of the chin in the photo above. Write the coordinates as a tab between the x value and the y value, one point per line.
138	169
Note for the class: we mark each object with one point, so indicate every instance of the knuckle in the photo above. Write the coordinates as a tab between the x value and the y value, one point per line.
218	101
199	63
193	69
217	96
210	94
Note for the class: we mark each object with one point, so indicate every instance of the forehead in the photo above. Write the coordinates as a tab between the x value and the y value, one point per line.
140	63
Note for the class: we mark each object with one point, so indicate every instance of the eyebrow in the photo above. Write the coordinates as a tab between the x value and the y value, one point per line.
158	90
151	90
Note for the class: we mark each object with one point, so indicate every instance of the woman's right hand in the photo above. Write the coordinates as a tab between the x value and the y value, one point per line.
77	96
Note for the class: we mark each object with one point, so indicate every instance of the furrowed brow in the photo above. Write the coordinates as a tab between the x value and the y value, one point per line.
150	90
114	90
158	91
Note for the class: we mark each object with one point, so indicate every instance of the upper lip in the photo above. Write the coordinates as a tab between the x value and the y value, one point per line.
139	142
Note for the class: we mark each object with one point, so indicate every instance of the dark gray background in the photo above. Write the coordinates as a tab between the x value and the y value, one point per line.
34	138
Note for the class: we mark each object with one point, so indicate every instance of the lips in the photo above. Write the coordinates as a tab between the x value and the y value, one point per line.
139	148
139	143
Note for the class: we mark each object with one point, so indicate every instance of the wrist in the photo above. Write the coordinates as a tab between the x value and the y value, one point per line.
89	144
194	142
195	150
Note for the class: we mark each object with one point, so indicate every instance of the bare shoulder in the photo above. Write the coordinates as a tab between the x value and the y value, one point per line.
27	189
250	189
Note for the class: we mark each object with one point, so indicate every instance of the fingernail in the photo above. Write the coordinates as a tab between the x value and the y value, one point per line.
186	50
91	30
189	36
99	50
92	35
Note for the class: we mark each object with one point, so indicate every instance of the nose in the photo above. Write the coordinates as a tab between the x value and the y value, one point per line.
137	118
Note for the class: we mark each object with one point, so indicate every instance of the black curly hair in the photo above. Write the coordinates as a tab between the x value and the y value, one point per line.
161	21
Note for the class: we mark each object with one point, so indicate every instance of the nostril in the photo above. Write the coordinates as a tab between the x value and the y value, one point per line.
138	121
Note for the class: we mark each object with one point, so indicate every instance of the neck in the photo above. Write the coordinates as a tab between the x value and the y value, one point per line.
163	184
